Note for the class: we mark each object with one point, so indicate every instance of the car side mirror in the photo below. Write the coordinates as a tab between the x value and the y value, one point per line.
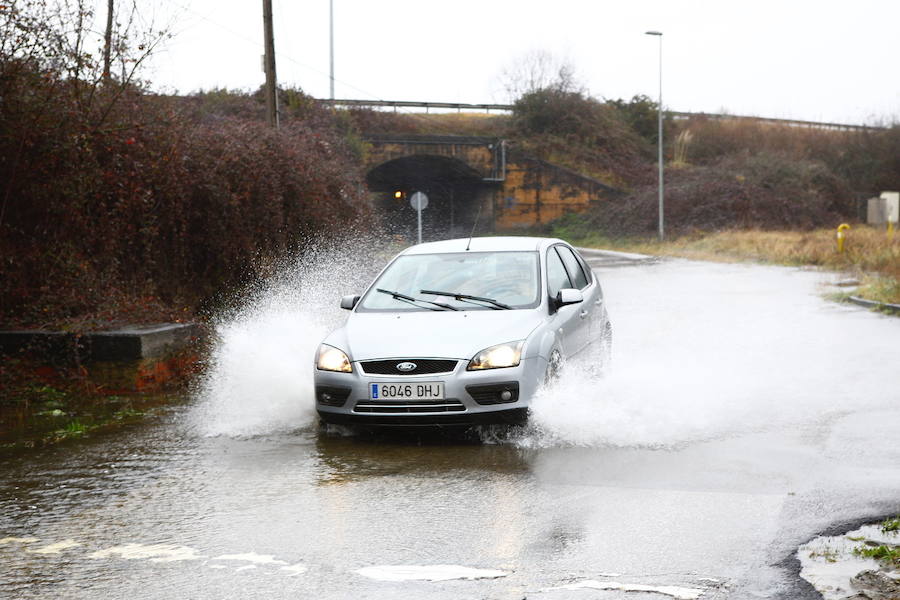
348	302
568	296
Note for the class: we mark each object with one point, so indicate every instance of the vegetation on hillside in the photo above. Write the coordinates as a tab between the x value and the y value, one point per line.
117	202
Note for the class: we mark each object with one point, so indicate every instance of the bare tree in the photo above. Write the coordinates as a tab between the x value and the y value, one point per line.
537	70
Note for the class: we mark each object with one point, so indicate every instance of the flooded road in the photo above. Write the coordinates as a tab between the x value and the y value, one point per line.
743	415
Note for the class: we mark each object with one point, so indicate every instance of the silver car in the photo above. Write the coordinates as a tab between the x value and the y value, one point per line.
460	332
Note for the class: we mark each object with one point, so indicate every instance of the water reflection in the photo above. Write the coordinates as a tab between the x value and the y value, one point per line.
353	455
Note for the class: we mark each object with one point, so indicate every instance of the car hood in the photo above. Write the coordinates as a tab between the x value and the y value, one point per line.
444	334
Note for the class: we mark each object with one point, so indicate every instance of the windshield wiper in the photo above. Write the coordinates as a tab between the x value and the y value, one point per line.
411	300
495	304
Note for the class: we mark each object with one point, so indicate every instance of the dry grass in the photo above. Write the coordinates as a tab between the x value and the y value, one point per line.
869	253
467	123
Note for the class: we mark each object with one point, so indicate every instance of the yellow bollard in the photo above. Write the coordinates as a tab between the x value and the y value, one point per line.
840	236
890	231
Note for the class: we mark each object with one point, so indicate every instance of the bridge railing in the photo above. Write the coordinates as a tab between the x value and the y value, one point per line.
395	104
677	115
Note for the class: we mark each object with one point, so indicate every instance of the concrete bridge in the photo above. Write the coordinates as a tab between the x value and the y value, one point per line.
465	175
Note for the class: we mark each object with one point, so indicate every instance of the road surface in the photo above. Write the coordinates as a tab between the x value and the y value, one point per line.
743	415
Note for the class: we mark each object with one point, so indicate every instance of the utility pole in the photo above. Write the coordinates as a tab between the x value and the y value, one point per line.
107	48
331	42
271	85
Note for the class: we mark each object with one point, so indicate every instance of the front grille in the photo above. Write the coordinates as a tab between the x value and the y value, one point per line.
412	406
492	393
332	395
424	366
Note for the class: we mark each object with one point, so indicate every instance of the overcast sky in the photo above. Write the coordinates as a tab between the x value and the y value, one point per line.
822	60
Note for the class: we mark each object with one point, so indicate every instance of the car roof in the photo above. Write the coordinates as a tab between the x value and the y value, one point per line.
483	244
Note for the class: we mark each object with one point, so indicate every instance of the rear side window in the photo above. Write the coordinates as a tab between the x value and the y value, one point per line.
557	278
573	267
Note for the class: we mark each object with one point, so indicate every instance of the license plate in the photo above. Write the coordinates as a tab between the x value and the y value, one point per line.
424	390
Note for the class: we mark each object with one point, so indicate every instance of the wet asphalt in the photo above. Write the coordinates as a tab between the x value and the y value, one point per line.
744	414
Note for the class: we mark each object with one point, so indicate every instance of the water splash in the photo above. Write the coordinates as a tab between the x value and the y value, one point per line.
701	351
259	379
704	351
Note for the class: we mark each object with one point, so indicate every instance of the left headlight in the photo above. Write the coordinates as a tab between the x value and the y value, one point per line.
332	359
497	357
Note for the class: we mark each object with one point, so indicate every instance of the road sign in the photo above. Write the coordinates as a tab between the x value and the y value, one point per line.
419	201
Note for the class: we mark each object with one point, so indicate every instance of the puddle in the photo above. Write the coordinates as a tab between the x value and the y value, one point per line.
828	563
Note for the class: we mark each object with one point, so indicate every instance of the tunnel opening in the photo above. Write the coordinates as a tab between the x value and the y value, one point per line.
454	189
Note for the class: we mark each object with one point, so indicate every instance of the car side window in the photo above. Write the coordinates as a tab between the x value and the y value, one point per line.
557	278
586	267
573	267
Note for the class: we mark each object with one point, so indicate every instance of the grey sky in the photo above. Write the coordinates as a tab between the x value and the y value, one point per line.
818	60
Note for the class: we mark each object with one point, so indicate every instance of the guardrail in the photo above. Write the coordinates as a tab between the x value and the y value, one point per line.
677	115
395	104
680	115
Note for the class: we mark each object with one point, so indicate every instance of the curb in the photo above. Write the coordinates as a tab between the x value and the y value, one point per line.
132	343
882	306
614	254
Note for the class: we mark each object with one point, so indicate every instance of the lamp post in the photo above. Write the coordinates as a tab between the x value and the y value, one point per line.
331	45
660	140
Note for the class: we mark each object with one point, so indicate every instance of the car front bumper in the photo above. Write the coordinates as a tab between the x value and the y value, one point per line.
470	397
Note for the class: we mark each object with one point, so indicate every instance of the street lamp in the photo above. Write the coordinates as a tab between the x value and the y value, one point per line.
331	45
660	140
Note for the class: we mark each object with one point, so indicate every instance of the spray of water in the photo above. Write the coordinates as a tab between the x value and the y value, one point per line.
259	376
700	351
704	351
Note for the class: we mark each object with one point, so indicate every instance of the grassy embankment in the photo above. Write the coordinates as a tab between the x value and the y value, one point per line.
735	190
870	254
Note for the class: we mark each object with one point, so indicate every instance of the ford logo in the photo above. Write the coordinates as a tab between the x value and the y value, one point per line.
406	366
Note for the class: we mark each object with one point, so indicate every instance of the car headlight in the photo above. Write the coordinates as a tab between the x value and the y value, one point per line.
332	359
497	357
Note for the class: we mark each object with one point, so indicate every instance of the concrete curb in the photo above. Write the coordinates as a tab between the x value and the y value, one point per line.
133	343
588	252
883	306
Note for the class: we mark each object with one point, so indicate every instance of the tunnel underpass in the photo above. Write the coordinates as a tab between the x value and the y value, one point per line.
454	192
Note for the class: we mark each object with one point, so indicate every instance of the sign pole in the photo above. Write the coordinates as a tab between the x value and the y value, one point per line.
419	212
419	201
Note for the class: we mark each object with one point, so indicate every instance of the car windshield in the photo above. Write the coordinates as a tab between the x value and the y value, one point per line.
508	278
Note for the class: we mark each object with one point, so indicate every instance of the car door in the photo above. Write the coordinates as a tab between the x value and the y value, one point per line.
582	279
571	327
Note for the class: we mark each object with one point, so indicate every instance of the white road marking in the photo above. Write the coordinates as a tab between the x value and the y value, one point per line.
176	552
297	569
427	573
153	552
251	557
55	548
680	593
18	540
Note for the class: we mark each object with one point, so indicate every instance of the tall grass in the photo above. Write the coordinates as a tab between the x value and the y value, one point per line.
869	253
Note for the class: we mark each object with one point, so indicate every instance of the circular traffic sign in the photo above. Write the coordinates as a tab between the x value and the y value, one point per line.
419	201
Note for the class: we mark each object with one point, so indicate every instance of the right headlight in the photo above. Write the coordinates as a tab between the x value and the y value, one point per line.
497	357
330	358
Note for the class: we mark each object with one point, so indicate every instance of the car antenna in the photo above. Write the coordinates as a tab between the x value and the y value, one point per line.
474	225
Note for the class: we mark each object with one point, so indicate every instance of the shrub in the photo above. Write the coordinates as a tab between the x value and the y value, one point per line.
766	190
112	197
584	134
